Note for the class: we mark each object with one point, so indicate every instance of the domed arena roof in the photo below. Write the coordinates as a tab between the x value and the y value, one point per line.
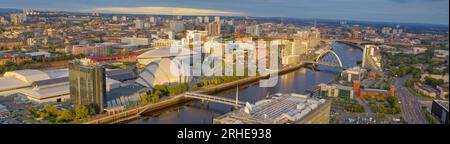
163	72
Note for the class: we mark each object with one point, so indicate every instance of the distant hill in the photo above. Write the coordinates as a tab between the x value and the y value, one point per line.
9	10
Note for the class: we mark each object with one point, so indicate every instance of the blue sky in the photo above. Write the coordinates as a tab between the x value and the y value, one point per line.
410	11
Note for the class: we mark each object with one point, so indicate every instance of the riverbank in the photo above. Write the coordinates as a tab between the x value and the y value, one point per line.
167	102
354	45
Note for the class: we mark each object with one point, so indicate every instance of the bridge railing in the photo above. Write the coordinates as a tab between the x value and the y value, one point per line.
215	99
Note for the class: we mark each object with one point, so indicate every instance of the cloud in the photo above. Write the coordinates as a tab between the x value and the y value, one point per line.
166	11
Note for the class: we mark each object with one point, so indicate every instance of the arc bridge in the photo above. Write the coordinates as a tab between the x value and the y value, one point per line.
328	58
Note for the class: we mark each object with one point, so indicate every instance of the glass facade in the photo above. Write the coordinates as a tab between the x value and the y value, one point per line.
87	85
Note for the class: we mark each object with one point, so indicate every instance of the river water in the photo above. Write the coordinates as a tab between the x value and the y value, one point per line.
297	81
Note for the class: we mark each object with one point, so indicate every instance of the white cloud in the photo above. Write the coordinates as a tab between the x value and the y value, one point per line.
165	11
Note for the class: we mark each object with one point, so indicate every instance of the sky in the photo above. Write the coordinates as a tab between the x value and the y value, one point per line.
402	11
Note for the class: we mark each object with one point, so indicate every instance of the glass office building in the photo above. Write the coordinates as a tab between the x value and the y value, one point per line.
87	84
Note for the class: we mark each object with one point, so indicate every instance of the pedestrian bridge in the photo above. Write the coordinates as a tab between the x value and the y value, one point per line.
216	99
222	100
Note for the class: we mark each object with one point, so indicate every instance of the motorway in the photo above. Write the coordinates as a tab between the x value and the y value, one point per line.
411	108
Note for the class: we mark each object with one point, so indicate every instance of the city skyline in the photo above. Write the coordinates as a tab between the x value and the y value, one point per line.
399	11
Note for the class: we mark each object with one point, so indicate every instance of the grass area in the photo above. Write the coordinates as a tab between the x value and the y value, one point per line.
416	94
381	105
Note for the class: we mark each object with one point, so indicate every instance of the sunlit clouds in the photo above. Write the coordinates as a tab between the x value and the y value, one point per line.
166	11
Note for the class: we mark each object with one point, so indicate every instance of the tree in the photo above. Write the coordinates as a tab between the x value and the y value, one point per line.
196	86
433	82
158	93
65	115
43	115
81	112
51	110
154	98
403	70
92	110
145	99
123	66
380	98
33	110
373	107
392	101
415	72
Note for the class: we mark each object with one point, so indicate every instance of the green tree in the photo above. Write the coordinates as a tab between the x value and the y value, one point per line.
145	99
33	110
92	110
403	70
65	115
379	98
154	98
123	66
433	82
51	110
392	101
43	114
415	72
81	112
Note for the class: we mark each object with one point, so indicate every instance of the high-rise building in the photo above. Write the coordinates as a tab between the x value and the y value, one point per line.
253	30
152	19
300	47
176	26
139	24
147	25
124	18
17	19
216	19
87	83
314	37
213	28
230	22
371	57
28	12
206	19
305	41
3	21
114	18
200	19
192	35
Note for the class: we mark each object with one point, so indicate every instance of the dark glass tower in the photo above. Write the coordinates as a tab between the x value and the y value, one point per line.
87	84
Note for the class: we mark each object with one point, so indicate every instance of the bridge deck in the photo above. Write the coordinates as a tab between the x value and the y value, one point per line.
215	99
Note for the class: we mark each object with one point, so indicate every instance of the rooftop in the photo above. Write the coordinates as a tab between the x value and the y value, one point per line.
48	92
442	103
8	83
31	75
287	108
165	52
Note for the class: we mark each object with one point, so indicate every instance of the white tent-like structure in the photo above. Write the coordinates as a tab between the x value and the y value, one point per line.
163	72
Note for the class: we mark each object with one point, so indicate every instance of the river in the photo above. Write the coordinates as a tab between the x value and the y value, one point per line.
297	81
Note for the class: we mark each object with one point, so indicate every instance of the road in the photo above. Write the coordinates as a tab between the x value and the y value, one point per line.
411	109
365	106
